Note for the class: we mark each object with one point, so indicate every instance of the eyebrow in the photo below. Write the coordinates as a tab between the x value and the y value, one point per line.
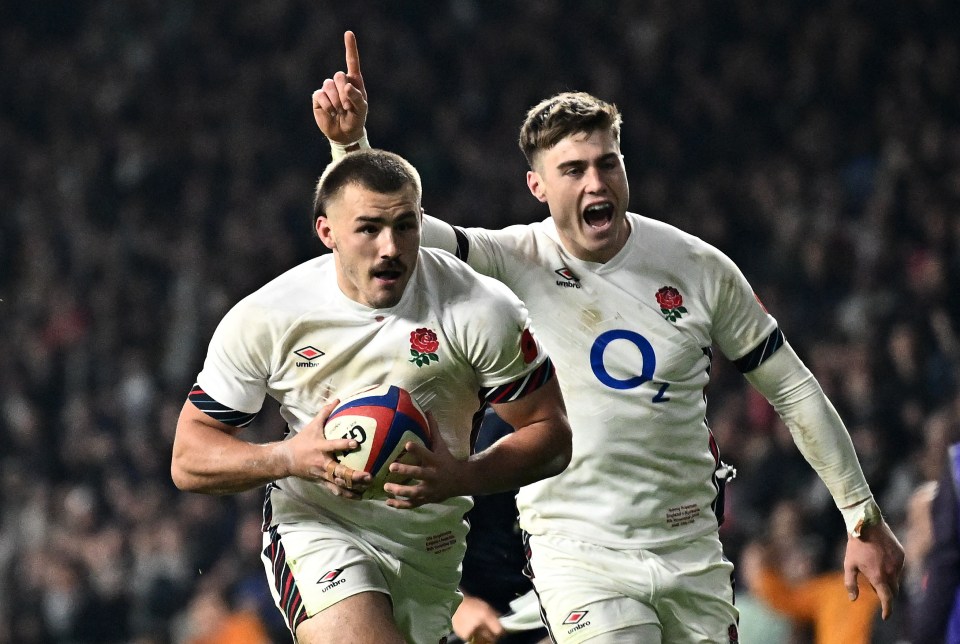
582	162
373	219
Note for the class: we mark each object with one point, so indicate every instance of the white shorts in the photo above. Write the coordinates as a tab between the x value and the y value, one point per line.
586	589
312	566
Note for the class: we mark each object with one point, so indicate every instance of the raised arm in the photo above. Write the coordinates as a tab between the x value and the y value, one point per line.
340	110
340	105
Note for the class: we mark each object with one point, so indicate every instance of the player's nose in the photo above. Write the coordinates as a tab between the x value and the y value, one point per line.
389	245
593	179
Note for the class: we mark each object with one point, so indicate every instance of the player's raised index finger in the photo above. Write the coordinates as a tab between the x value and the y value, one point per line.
353	55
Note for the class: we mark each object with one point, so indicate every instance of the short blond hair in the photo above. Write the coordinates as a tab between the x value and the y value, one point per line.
561	115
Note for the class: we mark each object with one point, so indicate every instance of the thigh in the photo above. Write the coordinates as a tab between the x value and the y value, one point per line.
423	602
696	606
586	590
313	568
366	618
645	633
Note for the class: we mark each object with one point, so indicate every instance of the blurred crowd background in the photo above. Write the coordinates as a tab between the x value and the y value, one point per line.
157	160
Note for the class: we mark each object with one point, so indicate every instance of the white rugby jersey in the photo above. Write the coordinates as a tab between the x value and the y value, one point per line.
631	342
454	338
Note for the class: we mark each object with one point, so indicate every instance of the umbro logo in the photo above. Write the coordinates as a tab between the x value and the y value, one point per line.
577	620
331	579
569	279
575	617
330	576
309	354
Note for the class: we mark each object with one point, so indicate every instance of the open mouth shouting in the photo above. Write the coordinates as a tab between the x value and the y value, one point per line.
599	215
388	273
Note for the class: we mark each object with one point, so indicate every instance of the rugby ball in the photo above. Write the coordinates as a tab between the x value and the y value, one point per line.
382	419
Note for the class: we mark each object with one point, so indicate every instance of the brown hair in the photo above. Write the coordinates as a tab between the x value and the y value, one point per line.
377	170
559	116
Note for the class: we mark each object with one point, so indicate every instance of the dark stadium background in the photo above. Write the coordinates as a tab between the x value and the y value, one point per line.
157	161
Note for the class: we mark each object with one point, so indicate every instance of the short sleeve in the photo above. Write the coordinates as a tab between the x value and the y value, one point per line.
499	339
740	321
236	368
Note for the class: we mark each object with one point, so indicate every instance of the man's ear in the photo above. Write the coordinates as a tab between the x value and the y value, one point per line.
535	183
325	233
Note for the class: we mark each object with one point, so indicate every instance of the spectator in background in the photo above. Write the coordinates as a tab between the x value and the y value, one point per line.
801	577
210	619
935	613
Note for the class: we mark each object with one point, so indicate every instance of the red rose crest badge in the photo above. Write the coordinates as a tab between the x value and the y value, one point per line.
671	303
423	347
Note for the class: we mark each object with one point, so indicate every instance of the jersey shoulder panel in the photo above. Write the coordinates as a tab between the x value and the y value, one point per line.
451	282
738	321
486	321
505	253
240	356
666	244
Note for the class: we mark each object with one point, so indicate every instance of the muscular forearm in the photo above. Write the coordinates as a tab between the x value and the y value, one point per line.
208	458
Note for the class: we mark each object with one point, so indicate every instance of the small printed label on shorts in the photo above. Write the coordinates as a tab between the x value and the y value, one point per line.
682	515
440	542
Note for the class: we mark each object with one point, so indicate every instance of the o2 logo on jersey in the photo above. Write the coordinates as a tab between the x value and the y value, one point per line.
648	366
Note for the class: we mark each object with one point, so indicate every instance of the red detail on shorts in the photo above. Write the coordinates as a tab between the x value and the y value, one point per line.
575	617
330	576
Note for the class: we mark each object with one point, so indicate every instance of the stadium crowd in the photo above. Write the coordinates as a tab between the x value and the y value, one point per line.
158	160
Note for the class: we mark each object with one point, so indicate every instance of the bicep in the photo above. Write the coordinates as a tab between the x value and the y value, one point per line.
191	416
196	429
536	407
198	437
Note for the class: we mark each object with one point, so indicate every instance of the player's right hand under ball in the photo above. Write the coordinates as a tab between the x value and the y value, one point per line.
313	457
